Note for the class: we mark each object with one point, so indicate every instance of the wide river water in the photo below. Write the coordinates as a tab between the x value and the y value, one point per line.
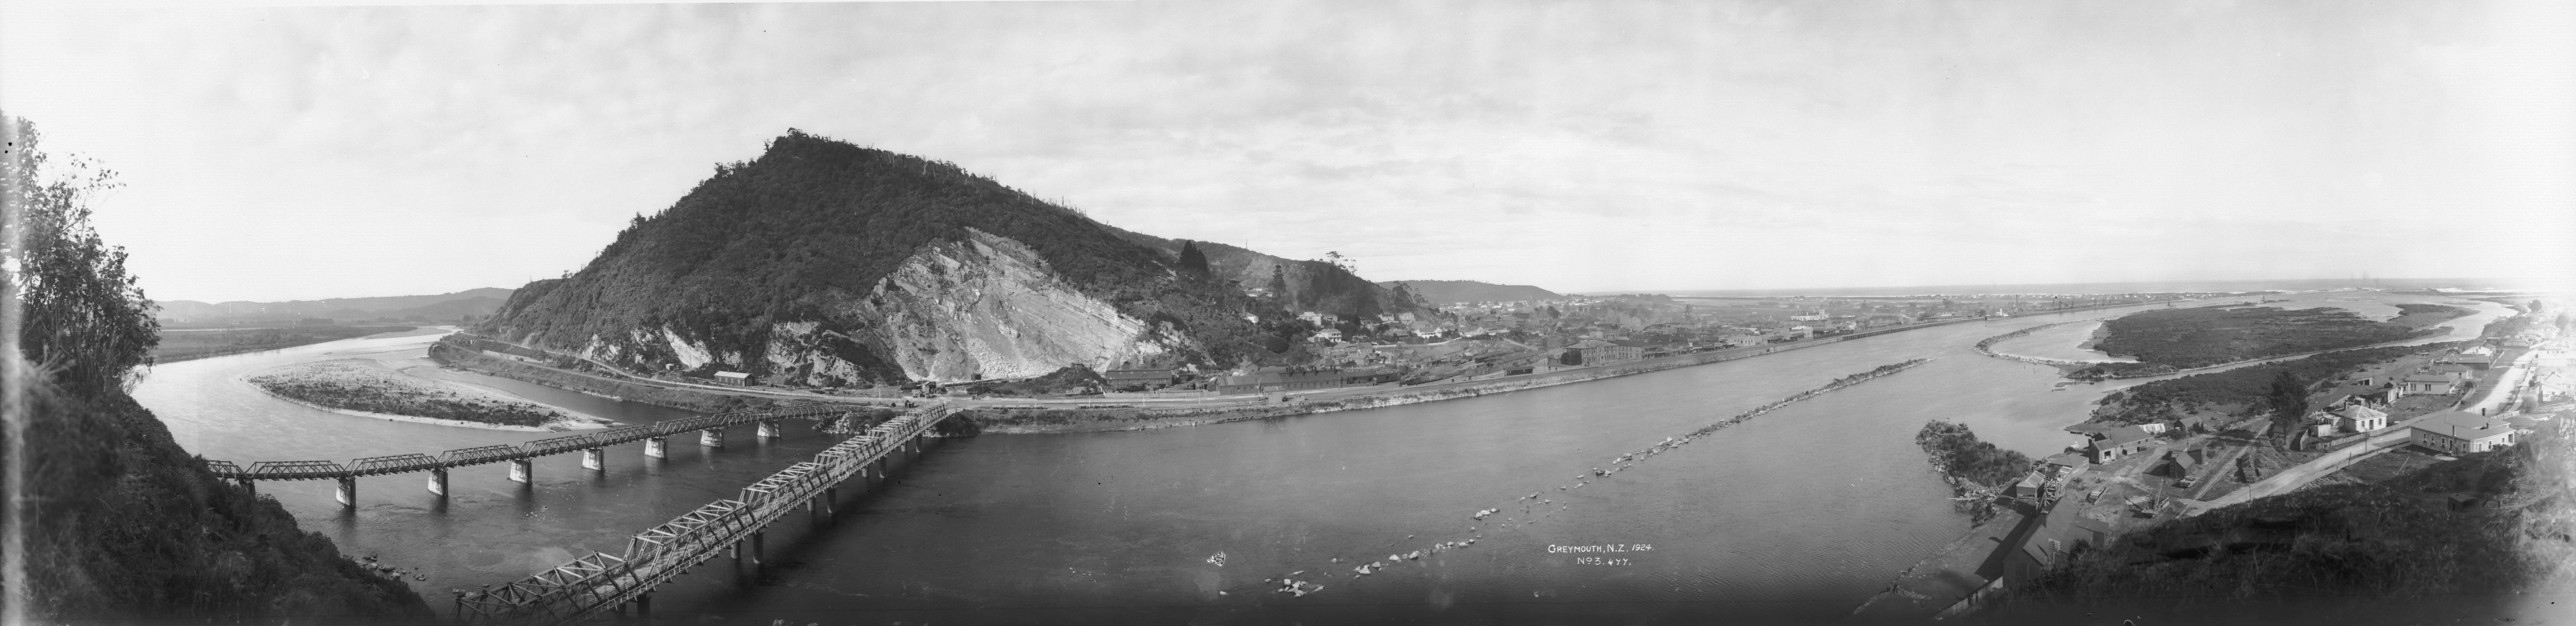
1801	513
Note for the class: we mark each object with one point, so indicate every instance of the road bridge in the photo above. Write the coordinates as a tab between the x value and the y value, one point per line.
835	418
600	583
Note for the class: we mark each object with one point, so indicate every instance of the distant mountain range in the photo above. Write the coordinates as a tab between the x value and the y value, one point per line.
1457	291
446	307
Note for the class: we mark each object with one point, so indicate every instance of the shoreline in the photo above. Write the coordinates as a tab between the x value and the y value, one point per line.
560	425
1033	420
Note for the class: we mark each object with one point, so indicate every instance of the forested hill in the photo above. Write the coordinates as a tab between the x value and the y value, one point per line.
1455	291
825	263
1309	285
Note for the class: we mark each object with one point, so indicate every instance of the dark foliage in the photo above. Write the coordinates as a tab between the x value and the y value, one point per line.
119	523
1956	450
812	226
2289	397
81	316
2204	336
1192	260
2250	387
2399	538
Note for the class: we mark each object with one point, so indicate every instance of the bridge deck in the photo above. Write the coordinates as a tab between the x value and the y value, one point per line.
406	463
595	584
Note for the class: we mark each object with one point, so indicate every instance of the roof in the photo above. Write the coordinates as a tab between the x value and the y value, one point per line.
1589	344
2126	435
1142	374
2464	425
2068	459
732	375
2360	412
2430	378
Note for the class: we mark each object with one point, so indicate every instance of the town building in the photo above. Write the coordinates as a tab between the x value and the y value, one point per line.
1123	378
2361	419
1283	379
2461	432
2430	384
2118	442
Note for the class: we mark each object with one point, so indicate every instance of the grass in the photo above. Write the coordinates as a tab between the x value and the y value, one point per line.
2205	336
182	345
131	527
1957	452
2242	390
360	385
2397	538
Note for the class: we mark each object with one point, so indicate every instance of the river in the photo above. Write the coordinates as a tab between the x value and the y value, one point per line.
1801	513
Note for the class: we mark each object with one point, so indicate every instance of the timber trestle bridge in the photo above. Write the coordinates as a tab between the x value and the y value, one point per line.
602	583
835	418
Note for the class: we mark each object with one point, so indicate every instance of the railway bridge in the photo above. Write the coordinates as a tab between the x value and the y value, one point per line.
602	583
835	418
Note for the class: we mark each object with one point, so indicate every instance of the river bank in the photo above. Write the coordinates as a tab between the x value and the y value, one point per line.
371	389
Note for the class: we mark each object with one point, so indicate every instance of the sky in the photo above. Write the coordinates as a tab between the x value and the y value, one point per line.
297	152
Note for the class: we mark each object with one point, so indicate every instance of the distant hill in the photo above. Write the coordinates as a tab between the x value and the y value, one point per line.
1312	285
1456	291
440	307
822	263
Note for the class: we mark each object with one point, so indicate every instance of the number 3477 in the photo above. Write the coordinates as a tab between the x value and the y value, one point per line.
1595	560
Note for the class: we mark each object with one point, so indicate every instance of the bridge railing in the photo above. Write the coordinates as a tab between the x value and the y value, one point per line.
391	464
296	470
556	445
588	587
400	463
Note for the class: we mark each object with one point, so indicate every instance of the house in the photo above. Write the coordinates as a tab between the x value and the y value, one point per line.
1137	377
1281	379
2461	432
734	378
2153	428
2118	442
1596	352
2181	463
2471	361
1312	317
2361	419
1328	335
2028	488
2193	424
2430	384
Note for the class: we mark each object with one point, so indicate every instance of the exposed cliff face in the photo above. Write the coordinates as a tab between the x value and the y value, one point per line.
989	306
827	264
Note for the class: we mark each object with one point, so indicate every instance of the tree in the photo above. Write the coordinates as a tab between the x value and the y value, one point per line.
80	316
2289	396
1192	260
1571	357
1279	283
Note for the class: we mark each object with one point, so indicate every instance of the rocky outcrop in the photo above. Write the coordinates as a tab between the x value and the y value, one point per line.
988	306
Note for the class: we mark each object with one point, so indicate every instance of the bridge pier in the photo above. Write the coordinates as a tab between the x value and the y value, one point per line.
594	458
657	447
769	429
249	485
438	481
712	437
830	495
644	605
347	493
522	470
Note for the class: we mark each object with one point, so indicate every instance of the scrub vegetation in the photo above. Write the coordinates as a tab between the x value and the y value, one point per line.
2490	523
2213	335
116	522
364	385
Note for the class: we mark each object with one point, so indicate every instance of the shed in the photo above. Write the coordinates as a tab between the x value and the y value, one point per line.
733	378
